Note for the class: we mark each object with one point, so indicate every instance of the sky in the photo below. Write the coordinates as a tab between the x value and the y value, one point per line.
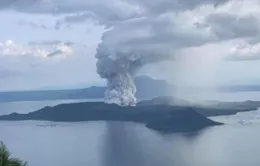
51	44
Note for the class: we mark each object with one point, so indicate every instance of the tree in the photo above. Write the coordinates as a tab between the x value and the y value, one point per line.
7	160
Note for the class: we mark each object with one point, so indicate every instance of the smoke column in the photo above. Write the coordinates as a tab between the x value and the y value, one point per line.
121	54
119	69
146	35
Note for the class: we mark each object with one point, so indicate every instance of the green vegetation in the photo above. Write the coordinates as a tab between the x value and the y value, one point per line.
7	160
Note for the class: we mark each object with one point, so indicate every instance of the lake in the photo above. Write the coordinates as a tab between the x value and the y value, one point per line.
127	144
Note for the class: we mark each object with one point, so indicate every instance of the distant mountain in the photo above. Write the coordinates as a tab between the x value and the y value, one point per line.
150	88
146	88
91	92
240	88
165	100
229	88
212	108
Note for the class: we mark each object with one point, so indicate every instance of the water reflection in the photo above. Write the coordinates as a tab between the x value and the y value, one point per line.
128	144
124	145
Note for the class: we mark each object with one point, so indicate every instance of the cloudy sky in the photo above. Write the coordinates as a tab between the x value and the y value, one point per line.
52	43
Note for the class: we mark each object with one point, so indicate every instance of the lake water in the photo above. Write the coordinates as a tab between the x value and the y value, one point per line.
127	144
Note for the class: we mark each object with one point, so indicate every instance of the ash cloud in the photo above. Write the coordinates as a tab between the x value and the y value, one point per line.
119	69
158	36
134	43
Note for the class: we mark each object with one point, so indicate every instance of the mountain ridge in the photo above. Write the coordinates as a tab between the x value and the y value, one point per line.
146	88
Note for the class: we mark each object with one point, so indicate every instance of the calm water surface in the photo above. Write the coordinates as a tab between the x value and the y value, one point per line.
128	144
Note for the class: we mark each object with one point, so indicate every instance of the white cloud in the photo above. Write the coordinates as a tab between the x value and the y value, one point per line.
9	48
244	52
46	57
52	69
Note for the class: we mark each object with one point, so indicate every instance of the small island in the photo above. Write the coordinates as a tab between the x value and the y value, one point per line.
164	118
165	114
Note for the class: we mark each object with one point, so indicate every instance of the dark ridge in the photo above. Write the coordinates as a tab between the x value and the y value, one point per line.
146	88
186	120
159	117
164	100
212	108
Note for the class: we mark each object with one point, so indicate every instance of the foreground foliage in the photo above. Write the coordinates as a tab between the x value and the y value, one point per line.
7	160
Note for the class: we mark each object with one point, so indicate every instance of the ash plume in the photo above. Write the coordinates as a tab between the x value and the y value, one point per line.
119	69
119	65
150	37
120	56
